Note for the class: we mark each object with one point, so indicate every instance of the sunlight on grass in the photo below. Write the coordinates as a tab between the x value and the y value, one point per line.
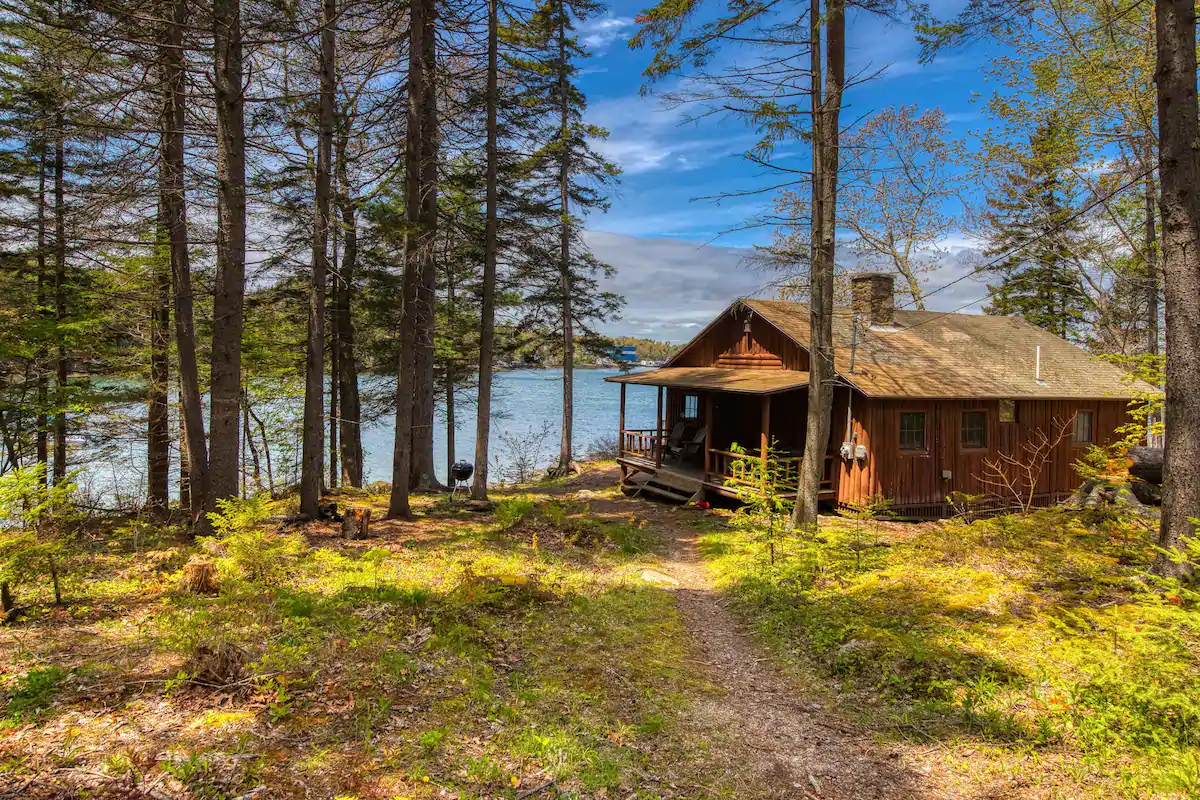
1041	633
486	654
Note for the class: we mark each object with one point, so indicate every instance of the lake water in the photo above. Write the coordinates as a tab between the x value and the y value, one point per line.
524	404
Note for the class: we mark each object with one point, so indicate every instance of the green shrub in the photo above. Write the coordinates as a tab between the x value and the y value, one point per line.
34	691
238	515
261	555
38	541
511	511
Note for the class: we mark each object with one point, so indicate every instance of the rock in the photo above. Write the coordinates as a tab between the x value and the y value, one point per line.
379	487
855	648
657	578
586	494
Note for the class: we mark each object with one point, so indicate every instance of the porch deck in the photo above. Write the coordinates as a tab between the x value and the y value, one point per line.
723	472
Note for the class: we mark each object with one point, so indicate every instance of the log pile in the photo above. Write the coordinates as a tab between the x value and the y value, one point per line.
1145	473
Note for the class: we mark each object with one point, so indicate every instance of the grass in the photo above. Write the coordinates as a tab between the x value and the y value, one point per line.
462	655
1039	639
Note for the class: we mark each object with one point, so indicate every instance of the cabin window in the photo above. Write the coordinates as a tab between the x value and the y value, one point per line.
974	430
1008	410
691	406
912	430
1083	428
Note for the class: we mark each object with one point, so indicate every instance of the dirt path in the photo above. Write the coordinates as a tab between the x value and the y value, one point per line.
797	748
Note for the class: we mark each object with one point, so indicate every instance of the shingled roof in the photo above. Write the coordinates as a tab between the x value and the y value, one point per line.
931	354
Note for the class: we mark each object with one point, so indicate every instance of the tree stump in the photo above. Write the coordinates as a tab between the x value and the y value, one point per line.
199	576
355	523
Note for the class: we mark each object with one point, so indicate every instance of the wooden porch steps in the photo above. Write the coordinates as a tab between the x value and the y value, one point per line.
669	486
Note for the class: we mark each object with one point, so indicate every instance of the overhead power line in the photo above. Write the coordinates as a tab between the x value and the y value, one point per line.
1005	256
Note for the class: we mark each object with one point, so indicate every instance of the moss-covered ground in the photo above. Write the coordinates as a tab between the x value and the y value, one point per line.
1038	648
539	650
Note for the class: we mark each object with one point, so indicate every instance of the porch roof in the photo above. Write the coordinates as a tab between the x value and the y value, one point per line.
717	379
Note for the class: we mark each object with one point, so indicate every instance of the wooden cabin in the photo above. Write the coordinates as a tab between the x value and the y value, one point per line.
923	399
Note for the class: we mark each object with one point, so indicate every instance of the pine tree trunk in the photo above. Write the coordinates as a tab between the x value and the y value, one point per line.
59	427
487	306
424	475
1151	247
158	432
266	447
1179	171
334	385
194	478
230	283
185	479
248	438
449	383
566	446
350	411
312	459
10	444
827	102
414	243
43	382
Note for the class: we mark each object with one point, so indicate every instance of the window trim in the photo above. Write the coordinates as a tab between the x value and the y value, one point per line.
1091	417
683	409
962	427
912	451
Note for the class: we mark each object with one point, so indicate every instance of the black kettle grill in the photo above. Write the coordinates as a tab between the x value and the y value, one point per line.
460	473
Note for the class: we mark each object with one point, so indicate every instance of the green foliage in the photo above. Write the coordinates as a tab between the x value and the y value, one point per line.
199	773
766	503
249	544
1031	225
39	544
263	555
1038	630
376	557
1146	408
238	515
864	534
28	500
34	691
511	511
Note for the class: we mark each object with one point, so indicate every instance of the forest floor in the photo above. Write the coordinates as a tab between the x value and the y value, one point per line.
578	643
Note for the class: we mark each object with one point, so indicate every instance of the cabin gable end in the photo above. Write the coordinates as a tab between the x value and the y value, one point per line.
742	339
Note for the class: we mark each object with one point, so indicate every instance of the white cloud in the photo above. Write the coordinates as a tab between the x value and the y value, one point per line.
598	33
645	136
673	287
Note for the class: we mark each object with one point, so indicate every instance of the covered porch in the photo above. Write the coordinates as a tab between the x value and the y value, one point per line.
701	413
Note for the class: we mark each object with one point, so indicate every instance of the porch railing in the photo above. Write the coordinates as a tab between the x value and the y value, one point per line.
737	468
643	443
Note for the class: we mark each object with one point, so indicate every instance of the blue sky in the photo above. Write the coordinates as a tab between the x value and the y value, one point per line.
674	266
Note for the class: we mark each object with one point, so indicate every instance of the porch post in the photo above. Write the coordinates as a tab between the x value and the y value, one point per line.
658	443
621	429
708	432
765	444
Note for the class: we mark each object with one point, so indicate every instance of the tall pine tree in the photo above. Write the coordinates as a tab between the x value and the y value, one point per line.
572	178
1030	223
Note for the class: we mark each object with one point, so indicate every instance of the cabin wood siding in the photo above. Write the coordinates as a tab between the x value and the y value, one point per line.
913	479
726	344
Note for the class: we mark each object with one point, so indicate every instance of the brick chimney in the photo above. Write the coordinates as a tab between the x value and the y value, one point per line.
873	298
